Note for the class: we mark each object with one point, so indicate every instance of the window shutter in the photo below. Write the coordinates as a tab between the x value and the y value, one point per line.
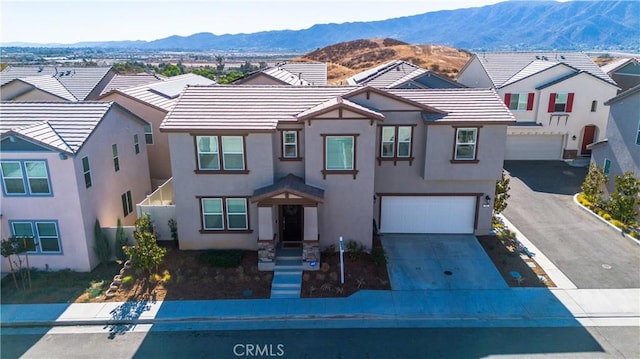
507	99
552	102
530	101
570	102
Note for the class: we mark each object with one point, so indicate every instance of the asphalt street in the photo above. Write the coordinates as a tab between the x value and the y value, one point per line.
587	251
451	342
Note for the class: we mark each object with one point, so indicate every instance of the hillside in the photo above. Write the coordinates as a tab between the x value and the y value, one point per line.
348	58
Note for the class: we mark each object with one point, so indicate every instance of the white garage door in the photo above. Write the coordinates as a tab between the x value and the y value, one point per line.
534	147
427	214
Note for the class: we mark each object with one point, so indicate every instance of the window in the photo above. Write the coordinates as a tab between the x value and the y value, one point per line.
127	203
594	105
136	145
606	168
29	178
465	144
561	102
339	153
224	214
148	134
290	145
86	171
519	101
395	143
210	147
116	160
42	236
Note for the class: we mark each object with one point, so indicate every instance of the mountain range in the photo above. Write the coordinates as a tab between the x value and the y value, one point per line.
510	25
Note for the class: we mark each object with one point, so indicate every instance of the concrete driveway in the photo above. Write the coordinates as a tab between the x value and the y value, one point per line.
587	251
439	261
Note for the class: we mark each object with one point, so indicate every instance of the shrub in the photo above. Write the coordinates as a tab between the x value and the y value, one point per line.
173	227
623	200
229	258
502	194
593	184
378	256
145	254
101	244
634	234
619	224
606	216
354	249
121	242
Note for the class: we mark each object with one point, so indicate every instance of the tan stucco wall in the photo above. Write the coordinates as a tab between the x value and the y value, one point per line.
158	152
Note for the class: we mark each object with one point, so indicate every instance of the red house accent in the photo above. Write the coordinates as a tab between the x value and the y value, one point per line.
552	102
507	99
569	102
530	101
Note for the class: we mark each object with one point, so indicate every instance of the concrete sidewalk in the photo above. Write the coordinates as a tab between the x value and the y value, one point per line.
503	307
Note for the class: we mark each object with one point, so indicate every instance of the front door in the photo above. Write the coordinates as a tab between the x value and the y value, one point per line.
291	225
587	139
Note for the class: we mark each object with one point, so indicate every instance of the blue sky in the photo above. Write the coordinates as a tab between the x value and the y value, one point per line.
68	22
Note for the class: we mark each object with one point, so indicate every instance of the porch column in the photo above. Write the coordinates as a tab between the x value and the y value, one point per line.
310	223
265	223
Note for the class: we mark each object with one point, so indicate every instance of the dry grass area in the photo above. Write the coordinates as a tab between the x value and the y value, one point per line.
349	58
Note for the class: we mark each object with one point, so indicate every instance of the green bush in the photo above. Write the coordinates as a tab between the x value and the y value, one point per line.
101	244
634	234
378	256
354	249
222	258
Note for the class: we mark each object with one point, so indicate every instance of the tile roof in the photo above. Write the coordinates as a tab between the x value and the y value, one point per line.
384	75
532	68
621	96
126	81
63	126
617	64
48	84
292	184
285	76
256	108
80	81
164	94
313	72
502	66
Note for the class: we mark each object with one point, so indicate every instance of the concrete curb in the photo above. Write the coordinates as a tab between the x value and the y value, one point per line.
575	200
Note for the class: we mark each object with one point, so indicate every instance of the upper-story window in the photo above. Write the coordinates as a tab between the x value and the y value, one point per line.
594	106
148	134
25	177
395	143
561	102
466	145
290	145
220	153
116	158
519	101
340	154
86	171
136	144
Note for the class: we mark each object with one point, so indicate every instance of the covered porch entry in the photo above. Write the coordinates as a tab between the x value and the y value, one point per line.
288	218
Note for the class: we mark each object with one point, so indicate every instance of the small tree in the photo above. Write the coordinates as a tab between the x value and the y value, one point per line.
502	194
145	254
121	242
624	199
101	244
593	184
15	246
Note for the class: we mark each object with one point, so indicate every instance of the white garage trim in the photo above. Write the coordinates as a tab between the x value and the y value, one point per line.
428	213
534	147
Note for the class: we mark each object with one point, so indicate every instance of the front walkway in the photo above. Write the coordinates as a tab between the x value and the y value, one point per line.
439	261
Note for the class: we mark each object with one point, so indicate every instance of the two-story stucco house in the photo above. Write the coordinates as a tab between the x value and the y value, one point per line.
620	151
625	72
288	165
288	73
557	99
152	101
63	165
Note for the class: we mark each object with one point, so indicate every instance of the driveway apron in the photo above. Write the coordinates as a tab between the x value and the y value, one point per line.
439	261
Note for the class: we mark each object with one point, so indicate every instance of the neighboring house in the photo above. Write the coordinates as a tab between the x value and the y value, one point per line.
63	165
620	151
152	102
557	99
262	166
625	72
288	73
126	81
401	74
84	83
35	88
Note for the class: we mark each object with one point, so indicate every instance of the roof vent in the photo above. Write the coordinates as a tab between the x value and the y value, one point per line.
562	57
40	68
537	57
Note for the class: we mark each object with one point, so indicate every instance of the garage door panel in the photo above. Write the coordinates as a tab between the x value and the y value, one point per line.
428	214
534	147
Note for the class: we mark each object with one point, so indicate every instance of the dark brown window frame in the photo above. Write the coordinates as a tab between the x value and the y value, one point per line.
220	171
455	139
395	157
282	157
325	171
225	225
